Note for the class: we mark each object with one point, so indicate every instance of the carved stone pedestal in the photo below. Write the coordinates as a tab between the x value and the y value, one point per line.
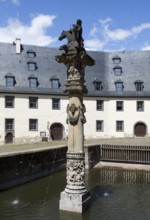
74	202
75	197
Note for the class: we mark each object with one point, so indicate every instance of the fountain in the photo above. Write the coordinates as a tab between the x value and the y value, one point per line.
75	197
115	194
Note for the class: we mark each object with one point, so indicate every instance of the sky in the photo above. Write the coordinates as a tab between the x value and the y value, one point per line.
108	25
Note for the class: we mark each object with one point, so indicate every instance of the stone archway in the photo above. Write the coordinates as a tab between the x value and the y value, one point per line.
56	131
9	138
140	129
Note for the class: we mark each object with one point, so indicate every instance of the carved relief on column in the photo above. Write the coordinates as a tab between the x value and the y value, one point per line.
75	113
75	79
75	173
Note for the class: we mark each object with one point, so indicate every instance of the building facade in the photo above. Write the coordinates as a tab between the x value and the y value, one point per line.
33	103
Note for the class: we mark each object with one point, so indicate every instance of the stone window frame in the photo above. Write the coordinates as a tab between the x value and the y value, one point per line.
119	105
9	124
100	105
99	125
119	126
9	101
33	124
33	102
55	103
140	106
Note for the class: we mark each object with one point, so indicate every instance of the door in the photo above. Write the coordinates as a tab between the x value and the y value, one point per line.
140	129
56	131
9	138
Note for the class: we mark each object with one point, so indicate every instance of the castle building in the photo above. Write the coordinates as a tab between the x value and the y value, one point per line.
33	103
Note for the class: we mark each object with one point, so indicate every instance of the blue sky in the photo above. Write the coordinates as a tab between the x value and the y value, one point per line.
108	25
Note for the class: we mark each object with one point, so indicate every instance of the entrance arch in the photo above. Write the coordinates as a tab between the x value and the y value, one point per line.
56	131
140	129
9	138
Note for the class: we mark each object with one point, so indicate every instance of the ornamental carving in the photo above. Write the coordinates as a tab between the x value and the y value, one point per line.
73	73
75	113
75	172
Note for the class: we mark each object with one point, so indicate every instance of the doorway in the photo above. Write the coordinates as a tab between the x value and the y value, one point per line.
56	131
140	129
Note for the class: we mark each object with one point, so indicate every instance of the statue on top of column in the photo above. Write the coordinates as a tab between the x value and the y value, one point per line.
75	41
74	50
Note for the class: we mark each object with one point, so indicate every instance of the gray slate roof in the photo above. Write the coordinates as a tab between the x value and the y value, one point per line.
135	67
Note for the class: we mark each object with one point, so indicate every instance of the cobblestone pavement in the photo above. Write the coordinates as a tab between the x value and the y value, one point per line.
10	149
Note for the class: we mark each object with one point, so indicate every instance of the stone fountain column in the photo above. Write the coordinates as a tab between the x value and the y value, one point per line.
75	197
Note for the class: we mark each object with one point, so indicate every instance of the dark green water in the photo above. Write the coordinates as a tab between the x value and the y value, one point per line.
116	195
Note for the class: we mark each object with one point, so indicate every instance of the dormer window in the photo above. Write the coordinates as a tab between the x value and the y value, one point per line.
117	70
31	54
33	81
119	86
97	85
139	86
32	66
116	60
55	84
10	80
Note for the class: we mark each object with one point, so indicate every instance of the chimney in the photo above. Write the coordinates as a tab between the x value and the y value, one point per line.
18	45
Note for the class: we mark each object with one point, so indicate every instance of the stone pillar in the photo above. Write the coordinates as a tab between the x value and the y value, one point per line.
75	198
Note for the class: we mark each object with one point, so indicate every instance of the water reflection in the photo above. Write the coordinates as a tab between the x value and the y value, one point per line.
116	194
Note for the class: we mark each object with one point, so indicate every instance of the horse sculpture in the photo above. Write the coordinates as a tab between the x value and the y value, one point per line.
72	45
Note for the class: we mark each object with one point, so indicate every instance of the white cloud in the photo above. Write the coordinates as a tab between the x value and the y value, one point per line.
94	44
102	35
146	46
35	33
16	2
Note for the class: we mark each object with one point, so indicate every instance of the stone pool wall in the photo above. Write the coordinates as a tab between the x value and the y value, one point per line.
20	168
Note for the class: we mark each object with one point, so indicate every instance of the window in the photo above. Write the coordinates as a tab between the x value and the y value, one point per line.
33	102
119	86
33	124
99	105
55	84
99	125
139	85
33	82
117	71
116	60
98	85
119	106
9	124
140	106
31	54
10	81
119	125
56	104
32	66
9	101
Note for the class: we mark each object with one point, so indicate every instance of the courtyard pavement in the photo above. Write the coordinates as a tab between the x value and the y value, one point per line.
11	149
